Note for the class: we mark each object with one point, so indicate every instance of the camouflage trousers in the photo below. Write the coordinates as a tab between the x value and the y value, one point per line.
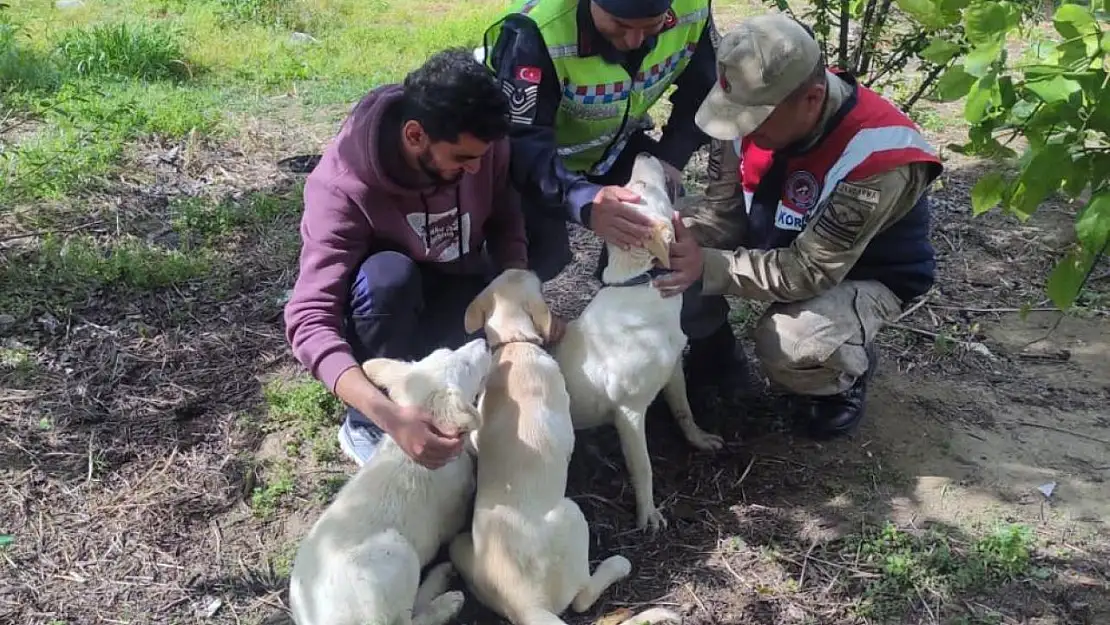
812	347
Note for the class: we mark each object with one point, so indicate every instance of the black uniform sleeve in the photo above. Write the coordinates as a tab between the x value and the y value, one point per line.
526	73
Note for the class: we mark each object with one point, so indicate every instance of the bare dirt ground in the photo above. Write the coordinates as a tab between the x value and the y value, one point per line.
149	474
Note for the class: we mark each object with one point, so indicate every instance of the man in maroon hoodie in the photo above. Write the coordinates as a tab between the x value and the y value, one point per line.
403	215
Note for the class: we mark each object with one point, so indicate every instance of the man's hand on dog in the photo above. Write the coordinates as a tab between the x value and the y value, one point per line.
411	427
686	262
616	223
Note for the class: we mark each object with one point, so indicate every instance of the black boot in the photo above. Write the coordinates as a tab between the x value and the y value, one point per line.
717	360
826	417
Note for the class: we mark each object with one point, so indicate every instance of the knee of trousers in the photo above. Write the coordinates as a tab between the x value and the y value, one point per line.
786	346
386	283
702	315
548	247
782	343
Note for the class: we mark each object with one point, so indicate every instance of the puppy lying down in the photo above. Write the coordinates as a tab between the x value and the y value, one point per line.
527	554
360	563
627	345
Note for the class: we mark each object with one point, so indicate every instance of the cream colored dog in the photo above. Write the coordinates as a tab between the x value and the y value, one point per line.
627	346
361	561
527	555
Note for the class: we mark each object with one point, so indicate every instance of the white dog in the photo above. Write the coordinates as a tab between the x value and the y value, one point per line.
361	562
627	346
527	555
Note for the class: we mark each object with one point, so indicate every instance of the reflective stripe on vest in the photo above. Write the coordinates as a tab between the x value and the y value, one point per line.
893	140
601	105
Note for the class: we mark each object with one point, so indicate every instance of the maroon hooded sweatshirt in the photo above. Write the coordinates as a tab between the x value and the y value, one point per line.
353	207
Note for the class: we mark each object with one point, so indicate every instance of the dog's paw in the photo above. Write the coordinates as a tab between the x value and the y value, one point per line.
705	441
450	602
441	610
651	519
622	567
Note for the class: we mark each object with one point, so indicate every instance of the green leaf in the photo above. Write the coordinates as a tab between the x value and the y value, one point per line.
1040	176
986	21
1006	91
926	13
1055	89
6	539
1070	53
1076	180
1066	279
987	193
978	62
1073	20
953	84
980	98
940	51
1093	226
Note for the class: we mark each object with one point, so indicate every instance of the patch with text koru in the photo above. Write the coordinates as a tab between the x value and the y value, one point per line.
802	189
523	94
787	218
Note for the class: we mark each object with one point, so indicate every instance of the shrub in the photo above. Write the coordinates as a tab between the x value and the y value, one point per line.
144	52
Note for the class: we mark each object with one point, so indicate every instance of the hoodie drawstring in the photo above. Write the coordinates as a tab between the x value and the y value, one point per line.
458	223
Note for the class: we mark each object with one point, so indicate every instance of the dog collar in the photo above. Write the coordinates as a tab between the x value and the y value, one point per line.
642	278
538	341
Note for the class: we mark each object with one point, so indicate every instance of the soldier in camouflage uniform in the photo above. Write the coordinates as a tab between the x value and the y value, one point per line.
826	217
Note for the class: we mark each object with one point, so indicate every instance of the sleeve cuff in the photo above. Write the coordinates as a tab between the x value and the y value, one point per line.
514	254
716	271
579	195
332	366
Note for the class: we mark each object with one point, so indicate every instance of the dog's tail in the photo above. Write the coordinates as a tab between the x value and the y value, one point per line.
653	616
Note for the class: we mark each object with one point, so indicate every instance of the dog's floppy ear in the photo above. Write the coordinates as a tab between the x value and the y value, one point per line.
474	318
540	313
386	372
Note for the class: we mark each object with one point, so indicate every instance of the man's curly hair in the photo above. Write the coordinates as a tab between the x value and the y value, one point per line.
453	94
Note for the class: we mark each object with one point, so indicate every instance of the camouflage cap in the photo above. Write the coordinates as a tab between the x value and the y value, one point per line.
759	63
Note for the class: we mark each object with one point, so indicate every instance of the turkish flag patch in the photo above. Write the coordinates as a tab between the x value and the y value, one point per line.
529	74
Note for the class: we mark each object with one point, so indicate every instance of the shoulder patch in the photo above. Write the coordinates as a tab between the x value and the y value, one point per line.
528	74
839	223
523	97
867	195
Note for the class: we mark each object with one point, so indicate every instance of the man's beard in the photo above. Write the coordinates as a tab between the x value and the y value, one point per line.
429	169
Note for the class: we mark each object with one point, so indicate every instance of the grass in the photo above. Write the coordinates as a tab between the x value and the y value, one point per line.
308	412
17	365
147	52
208	222
278	483
106	76
911	568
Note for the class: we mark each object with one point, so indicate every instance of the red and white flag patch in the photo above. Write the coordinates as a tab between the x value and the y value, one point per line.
529	74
